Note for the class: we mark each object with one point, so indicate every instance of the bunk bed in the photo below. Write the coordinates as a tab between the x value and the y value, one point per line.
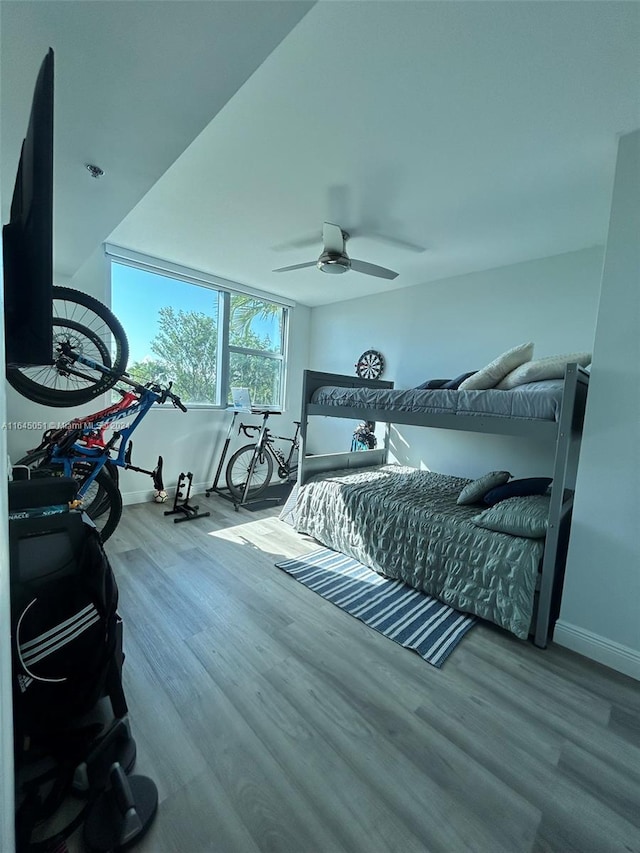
551	410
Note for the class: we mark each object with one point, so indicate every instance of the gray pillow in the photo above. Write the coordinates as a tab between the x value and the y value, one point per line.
474	491
525	516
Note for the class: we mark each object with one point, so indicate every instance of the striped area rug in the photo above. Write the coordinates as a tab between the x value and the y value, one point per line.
411	618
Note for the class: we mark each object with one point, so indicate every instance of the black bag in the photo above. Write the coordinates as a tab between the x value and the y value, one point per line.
66	649
64	639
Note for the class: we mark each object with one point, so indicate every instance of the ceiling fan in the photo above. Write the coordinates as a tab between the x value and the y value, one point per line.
334	258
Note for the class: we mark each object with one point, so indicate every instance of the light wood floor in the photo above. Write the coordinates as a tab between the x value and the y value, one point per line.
272	721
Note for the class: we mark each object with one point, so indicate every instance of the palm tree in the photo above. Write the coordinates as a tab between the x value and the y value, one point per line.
245	309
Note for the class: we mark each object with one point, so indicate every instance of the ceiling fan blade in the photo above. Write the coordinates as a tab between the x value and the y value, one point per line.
396	241
296	267
301	243
332	238
372	269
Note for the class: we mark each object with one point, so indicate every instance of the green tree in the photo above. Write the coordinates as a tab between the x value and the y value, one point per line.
186	348
150	370
185	351
259	374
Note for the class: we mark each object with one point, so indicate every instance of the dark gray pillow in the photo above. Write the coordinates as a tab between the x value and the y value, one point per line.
432	383
474	491
525	516
454	384
517	489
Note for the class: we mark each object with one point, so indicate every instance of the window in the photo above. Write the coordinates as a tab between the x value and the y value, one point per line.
204	338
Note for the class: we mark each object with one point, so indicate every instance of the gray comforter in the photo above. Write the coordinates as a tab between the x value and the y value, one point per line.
533	401
406	524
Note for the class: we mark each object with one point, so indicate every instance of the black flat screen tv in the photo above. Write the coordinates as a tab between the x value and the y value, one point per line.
27	239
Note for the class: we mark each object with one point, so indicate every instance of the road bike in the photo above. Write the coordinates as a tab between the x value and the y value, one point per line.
82	450
250	469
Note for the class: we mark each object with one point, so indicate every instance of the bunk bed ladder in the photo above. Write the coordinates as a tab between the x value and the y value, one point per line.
561	503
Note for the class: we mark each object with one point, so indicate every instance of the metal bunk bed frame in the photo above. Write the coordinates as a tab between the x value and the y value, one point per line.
566	433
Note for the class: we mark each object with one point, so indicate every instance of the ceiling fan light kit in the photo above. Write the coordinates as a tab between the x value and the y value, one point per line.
334	259
333	264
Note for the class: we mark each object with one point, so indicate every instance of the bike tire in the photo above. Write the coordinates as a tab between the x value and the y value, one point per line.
103	501
238	470
33	459
106	509
89	327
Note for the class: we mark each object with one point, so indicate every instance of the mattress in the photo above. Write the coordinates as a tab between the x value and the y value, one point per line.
405	524
537	401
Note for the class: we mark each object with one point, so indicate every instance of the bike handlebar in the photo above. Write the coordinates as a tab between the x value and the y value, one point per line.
245	427
163	393
166	394
177	402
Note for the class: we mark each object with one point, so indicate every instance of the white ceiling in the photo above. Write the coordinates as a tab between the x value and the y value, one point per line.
135	82
485	132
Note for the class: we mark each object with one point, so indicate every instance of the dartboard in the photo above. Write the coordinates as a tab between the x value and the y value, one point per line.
370	364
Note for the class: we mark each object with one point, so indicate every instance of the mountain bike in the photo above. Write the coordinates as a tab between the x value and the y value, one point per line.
90	353
250	469
81	450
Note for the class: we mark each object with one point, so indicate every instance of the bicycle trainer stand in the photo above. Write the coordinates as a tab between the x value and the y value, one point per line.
189	513
223	491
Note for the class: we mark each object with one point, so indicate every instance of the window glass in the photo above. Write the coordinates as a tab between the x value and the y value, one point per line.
176	334
255	323
260	375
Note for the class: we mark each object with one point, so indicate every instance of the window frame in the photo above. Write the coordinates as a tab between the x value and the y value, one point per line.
226	289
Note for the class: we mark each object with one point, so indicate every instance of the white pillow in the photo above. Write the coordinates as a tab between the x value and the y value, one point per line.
490	375
551	367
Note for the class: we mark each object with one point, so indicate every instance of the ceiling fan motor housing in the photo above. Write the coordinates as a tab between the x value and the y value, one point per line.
334	263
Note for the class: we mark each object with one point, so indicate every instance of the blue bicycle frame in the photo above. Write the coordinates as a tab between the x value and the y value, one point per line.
94	450
99	456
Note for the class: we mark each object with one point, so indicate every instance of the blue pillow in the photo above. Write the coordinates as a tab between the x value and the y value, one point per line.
457	382
517	489
432	383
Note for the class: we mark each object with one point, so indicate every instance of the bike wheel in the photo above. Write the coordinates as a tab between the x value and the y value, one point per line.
103	504
33	460
238	471
88	328
102	501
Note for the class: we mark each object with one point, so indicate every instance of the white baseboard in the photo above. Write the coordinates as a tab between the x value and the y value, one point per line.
146	495
614	655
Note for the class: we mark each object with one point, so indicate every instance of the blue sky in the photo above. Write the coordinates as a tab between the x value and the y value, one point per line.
138	295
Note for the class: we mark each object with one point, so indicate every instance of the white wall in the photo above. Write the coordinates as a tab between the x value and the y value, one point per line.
187	442
6	719
600	613
445	328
